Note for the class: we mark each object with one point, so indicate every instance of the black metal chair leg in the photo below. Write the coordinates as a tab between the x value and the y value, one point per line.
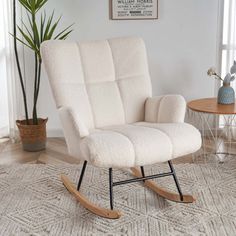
142	171
81	175
111	187
176	180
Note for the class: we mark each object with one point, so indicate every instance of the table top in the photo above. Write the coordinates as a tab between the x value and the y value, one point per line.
210	105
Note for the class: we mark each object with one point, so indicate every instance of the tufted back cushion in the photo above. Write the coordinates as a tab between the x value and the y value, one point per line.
104	82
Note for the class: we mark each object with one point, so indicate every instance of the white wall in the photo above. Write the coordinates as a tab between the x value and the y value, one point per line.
181	45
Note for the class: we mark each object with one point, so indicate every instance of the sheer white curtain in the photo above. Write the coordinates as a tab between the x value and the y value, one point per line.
8	75
228	50
229	37
4	112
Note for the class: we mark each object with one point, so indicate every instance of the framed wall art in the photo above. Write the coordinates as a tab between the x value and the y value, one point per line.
133	9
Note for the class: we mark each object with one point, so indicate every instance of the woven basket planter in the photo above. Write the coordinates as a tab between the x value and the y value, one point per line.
33	137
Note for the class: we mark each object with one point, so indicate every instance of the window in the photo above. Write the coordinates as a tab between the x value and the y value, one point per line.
228	37
228	47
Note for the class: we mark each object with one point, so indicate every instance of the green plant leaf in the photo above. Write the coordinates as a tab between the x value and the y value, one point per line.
40	4
65	35
42	24
29	20
27	38
32	4
63	31
48	25
52	30
42	30
25	4
21	41
28	31
36	34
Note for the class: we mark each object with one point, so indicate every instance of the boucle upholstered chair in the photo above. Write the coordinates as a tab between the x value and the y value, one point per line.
110	119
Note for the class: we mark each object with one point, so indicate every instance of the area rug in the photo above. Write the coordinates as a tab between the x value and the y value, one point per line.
34	202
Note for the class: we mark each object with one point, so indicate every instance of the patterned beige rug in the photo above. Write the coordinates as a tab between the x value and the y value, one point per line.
34	202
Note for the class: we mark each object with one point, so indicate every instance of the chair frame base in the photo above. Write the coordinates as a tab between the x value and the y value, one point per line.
139	177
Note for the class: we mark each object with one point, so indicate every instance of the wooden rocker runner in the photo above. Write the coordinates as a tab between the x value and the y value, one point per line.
140	176
110	119
106	213
163	192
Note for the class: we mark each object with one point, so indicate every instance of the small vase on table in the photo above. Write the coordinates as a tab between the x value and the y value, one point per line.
226	94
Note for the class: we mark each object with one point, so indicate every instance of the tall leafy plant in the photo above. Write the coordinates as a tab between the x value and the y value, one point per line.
36	30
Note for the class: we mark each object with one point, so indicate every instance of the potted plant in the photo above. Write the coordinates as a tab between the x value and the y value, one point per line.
36	30
226	94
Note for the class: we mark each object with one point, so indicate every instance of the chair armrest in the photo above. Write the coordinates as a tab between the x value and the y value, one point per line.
74	130
71	122
165	109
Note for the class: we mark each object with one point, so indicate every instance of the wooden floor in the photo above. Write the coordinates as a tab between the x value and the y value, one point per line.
55	153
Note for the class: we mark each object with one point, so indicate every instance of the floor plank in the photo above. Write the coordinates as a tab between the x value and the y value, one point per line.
55	153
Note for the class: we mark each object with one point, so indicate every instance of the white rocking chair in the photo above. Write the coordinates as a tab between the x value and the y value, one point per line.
110	119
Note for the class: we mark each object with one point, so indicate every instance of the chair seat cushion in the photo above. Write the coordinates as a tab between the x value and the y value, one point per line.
185	138
139	144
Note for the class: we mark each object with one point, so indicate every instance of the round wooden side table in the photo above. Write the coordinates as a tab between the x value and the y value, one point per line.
216	124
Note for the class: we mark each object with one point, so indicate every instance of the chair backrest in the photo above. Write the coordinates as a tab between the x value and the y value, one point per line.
105	82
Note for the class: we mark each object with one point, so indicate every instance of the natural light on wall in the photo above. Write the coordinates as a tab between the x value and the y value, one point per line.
4	113
228	46
229	36
9	101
